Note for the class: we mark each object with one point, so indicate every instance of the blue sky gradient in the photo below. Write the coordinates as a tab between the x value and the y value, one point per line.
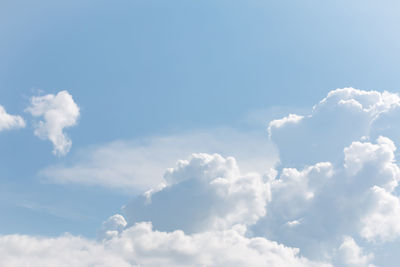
146	69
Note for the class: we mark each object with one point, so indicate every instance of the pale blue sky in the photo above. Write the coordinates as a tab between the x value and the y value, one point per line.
139	69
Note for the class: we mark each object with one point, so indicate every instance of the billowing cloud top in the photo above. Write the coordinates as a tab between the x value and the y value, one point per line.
203	193
8	121
344	116
58	112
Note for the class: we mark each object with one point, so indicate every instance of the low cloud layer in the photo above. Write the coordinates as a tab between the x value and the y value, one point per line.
65	251
57	112
8	121
332	201
140	245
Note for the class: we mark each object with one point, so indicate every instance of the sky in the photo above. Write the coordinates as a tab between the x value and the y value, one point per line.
199	133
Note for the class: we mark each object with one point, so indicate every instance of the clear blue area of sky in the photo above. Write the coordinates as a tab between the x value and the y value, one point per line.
141	68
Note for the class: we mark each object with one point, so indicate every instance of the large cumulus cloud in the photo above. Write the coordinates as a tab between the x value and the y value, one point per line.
343	116
201	218
202	193
338	177
314	207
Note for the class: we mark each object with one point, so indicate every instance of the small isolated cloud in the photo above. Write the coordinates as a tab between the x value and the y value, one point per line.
57	112
8	121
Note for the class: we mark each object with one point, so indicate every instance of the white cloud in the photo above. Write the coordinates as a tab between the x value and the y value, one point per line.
64	251
381	222
8	122
295	190
59	112
312	207
140	245
291	119
352	255
356	191
212	248
112	227
378	157
139	165
342	117
338	178
203	193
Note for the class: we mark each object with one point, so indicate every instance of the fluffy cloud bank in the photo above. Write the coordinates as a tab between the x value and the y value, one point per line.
338	177
58	112
332	201
65	251
140	245
314	207
205	208
8	121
